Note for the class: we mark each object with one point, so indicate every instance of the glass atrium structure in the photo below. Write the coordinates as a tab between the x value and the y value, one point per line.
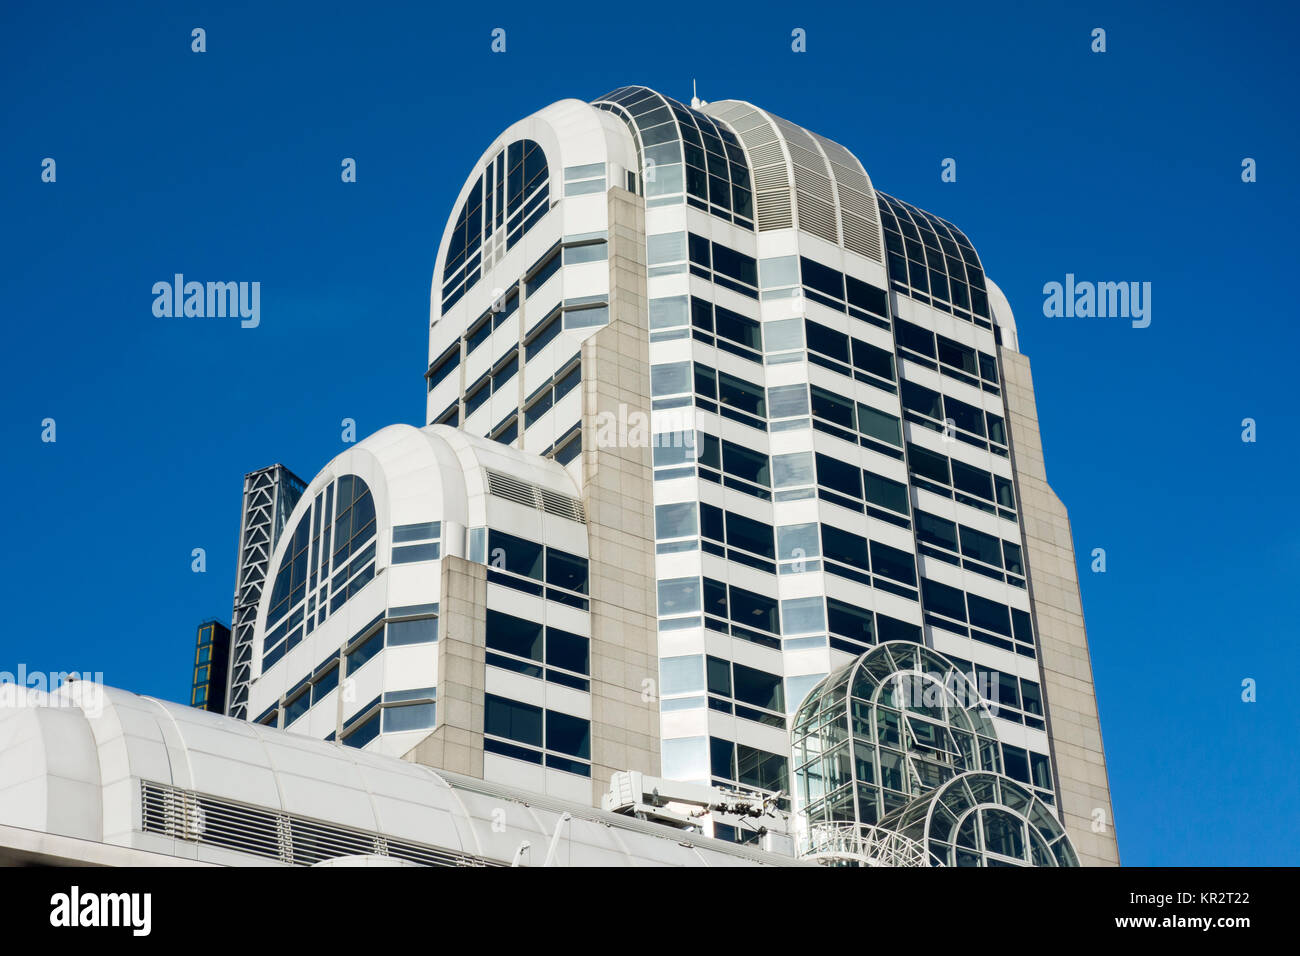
898	743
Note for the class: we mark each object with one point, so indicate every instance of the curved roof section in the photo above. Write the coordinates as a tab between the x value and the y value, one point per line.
436	473
745	164
869	677
568	133
805	179
932	260
684	149
102	764
442	467
513	191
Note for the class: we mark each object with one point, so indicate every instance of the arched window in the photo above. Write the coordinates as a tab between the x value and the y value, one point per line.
510	196
329	558
692	154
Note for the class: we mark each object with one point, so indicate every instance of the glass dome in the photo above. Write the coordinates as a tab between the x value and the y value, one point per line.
877	737
983	819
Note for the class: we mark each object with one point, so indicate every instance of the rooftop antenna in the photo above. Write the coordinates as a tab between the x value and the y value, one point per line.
696	102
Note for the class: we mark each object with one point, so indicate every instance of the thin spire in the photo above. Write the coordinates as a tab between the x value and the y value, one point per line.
695	100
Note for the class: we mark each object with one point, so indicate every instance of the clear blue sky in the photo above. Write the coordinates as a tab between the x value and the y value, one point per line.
225	166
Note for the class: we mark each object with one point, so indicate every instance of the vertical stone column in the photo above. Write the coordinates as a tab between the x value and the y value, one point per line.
1079	759
456	742
619	496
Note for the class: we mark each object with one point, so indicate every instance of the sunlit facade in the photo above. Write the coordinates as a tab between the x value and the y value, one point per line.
788	424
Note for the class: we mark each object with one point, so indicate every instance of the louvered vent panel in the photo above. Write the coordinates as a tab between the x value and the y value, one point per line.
858	215
855	202
512	489
814	198
534	496
861	236
273	834
767	159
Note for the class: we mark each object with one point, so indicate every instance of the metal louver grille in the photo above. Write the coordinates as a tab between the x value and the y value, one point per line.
858	214
815	197
534	496
291	839
822	184
771	175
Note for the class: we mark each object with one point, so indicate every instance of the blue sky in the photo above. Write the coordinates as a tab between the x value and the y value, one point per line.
225	165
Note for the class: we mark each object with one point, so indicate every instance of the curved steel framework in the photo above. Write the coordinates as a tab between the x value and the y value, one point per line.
847	844
878	738
685	154
984	819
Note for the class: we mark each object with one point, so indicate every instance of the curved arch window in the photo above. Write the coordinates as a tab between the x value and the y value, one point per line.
884	729
329	558
932	261
510	196
984	819
691	154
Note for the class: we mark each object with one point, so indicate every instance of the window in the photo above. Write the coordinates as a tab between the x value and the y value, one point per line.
539	274
980	546
744	463
877	424
741	394
297	707
443	366
513	720
851	621
566	571
928	464
478	334
543	334
754	610
833	408
363	733
827	341
668	312
679	596
844	547
569	651
681	675
324	683
670	379
914	338
886	492
420	631
792	469
363	652
822	278
869	358
893	563
408	716
306	563
568	735
798	541
735	265
514	635
749	534
787	401
937	531
675	520
759	688
513	554
839	476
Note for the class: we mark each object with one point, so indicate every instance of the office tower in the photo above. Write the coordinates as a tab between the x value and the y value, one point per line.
211	667
718	436
269	496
